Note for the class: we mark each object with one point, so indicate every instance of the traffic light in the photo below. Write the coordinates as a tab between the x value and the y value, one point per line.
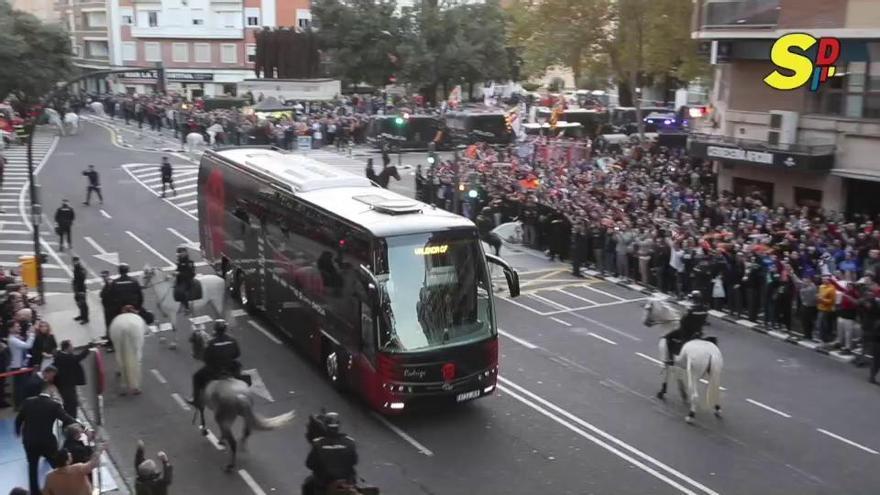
399	121
432	158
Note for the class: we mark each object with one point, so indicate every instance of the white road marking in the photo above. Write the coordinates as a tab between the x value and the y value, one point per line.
549	302
186	195
265	332
193	212
190	203
258	386
844	440
600	291
107	215
746	323
561	322
600	305
524	343
605	440
250	482
649	358
189	186
706	382
584	299
402	434
603	339
606	327
765	406
235	313
716	313
181	236
213	439
159	376
156	193
150	248
180	402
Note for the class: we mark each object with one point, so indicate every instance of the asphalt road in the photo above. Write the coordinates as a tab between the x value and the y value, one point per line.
574	412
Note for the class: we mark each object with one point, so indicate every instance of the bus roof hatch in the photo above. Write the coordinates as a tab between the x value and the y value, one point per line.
388	205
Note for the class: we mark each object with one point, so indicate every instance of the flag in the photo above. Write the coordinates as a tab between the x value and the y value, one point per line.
558	111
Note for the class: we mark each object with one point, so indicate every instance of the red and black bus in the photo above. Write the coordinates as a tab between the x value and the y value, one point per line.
391	296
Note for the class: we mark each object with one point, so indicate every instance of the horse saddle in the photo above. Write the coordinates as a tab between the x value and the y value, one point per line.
194	293
712	339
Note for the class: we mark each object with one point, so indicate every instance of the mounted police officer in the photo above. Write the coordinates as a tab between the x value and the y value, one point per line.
332	458
221	359
125	291
690	327
186	273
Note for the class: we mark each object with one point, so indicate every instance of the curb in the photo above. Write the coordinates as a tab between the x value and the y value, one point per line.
790	337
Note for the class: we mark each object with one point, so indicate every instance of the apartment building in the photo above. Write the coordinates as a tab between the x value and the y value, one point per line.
42	9
205	46
795	147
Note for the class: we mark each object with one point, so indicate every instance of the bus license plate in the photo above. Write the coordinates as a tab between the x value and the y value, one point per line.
473	394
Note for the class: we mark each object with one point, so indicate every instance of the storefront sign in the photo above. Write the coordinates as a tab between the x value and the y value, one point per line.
739	154
189	76
820	159
143	74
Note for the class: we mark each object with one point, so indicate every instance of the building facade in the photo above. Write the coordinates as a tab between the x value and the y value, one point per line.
42	9
795	147
205	46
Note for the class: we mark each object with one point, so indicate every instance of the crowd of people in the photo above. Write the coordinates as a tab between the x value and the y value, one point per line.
653	215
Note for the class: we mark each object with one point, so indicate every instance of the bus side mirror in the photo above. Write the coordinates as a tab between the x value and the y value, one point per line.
509	273
372	285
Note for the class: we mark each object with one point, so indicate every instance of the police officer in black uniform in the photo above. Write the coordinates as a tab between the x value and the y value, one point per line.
220	358
690	327
125	291
167	176
186	273
484	226
332	458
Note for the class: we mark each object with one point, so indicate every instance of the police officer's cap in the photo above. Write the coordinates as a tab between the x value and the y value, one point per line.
695	295
181	249
332	422
123	268
220	326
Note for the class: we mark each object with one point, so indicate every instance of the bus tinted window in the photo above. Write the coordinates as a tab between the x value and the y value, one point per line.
438	291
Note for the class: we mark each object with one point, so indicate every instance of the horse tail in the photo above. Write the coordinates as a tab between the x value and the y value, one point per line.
713	392
691	379
259	422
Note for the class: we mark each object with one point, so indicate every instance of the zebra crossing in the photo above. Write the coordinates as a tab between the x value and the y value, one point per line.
16	236
186	181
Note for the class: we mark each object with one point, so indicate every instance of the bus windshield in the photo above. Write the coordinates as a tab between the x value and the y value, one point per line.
435	291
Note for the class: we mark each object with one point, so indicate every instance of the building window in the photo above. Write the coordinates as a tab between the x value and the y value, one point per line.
76	50
127	20
203	52
152	51
129	51
94	20
252	17
303	18
153	19
855	91
228	20
198	22
251	53
179	52
811	198
230	89
97	49
228	53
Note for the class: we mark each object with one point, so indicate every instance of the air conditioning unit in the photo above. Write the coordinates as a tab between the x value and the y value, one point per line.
783	129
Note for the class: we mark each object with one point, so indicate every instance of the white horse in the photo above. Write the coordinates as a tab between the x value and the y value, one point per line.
697	359
71	123
55	120
193	140
97	107
162	283
127	333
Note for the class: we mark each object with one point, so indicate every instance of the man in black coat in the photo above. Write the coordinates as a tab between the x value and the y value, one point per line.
333	458
167	176
93	186
186	273
109	307
70	374
35	423
64	217
79	291
125	291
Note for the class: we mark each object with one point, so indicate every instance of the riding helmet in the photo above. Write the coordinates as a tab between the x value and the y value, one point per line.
219	326
123	269
696	297
331	421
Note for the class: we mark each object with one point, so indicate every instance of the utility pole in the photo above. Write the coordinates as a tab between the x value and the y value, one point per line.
36	209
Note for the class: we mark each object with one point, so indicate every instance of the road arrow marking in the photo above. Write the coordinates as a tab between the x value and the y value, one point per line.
112	258
189	244
257	385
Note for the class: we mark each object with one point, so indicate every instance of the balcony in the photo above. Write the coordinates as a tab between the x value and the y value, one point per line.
802	157
191	32
738	14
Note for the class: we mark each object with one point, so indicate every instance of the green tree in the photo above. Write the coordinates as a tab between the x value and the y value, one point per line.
558	32
33	56
649	42
360	38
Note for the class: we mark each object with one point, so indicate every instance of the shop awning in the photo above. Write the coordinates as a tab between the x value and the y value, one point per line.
857	173
806	158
